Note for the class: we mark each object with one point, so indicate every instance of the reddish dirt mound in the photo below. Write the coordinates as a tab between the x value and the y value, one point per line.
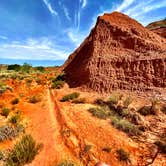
119	53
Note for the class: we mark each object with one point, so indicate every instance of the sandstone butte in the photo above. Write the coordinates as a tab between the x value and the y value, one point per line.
119	53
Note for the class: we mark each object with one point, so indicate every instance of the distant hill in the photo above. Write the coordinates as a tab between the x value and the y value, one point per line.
158	27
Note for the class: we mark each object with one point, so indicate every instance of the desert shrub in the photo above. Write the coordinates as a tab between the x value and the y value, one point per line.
5	112
34	99
10	132
57	84
124	112
4	87
128	100
100	102
14	119
40	68
145	110
106	149
15	67
161	145
123	155
87	148
15	101
1	155
114	98
79	101
67	163
70	96
101	113
126	126
26	67
23	152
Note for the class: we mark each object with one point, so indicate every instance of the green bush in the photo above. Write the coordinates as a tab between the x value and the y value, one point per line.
26	67
70	97
5	112
15	67
145	110
114	98
58	84
14	119
101	113
34	99
23	152
40	68
15	101
123	155
125	126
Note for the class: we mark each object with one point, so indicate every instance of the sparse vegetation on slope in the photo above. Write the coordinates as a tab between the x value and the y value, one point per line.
10	132
23	152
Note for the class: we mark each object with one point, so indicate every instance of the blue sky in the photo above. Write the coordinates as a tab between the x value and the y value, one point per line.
52	29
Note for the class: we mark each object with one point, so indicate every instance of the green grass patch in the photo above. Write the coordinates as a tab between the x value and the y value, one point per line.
5	112
100	112
23	152
125	125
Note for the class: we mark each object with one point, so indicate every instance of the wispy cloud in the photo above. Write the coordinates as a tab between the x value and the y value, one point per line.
84	3
141	8
3	37
48	4
66	12
125	4
41	49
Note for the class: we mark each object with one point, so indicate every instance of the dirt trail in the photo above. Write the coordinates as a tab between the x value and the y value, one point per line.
46	130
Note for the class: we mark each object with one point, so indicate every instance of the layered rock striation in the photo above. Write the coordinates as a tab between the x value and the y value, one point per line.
119	53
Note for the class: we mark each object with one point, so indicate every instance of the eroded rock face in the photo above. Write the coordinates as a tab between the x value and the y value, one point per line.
119	53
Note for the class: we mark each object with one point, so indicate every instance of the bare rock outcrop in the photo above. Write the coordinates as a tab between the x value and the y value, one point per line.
119	53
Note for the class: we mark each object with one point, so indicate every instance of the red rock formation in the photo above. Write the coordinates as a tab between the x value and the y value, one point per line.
119	53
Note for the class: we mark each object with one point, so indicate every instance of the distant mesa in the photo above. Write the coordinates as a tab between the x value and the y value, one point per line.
158	27
119	53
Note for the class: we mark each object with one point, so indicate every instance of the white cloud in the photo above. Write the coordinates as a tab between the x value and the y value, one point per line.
3	37
46	2
125	4
41	49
